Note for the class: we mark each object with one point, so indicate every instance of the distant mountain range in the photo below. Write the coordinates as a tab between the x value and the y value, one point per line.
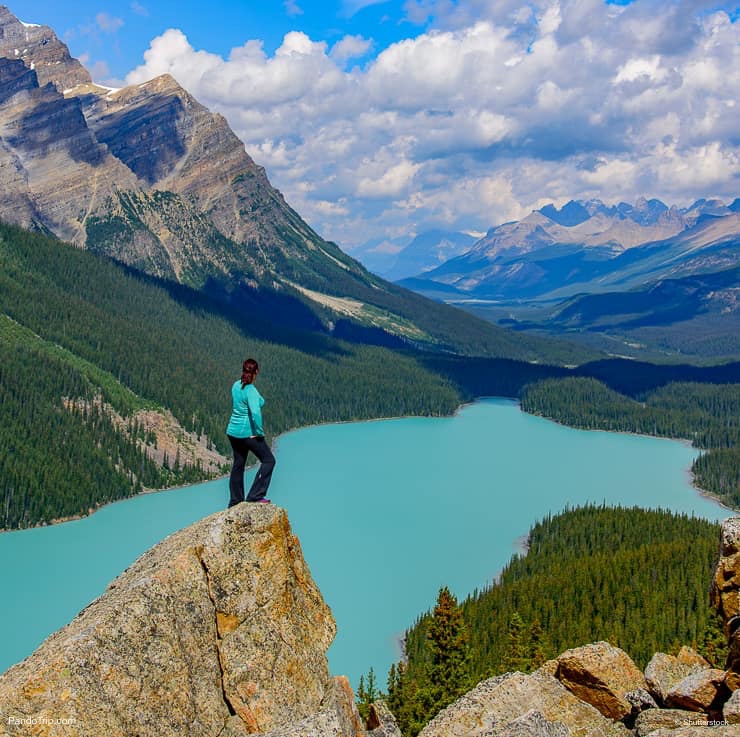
589	248
147	175
552	252
400	258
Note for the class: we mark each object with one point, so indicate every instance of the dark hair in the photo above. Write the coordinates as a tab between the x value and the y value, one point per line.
250	367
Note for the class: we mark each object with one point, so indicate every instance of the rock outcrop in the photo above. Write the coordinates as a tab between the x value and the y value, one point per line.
664	671
218	629
697	692
531	724
497	704
601	675
381	722
725	596
653	719
731	710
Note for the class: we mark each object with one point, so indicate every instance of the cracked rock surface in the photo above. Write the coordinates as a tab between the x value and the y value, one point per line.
218	625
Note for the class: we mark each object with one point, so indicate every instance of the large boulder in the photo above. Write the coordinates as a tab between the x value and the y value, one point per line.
498	702
601	675
725	595
664	671
219	625
531	724
640	700
338	717
697	692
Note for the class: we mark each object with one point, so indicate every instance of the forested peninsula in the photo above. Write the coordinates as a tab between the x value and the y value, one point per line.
633	577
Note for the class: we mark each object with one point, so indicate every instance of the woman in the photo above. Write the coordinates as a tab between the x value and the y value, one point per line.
245	433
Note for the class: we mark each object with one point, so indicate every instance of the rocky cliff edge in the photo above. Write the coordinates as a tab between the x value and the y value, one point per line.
217	630
220	631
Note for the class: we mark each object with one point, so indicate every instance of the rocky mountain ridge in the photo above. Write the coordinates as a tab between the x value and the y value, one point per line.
145	173
148	176
219	630
607	277
41	51
551	252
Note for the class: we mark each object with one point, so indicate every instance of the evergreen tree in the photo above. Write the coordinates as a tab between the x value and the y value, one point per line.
405	700
713	643
515	655
415	696
448	645
394	686
537	645
367	694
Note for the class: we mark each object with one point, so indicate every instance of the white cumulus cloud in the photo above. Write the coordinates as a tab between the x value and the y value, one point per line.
496	109
351	47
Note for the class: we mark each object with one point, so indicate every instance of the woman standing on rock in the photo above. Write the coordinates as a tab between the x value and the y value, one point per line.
245	433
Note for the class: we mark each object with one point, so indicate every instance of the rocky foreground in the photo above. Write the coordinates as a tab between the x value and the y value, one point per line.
217	630
220	631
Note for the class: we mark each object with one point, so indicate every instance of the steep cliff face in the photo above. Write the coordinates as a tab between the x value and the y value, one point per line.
145	174
57	171
217	629
40	49
174	144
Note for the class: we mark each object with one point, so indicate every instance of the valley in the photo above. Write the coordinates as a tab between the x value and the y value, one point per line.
434	391
645	281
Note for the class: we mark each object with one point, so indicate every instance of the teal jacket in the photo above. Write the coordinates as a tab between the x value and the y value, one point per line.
239	425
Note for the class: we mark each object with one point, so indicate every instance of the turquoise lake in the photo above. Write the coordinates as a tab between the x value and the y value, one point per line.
386	511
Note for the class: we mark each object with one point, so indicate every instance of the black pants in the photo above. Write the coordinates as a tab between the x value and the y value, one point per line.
261	449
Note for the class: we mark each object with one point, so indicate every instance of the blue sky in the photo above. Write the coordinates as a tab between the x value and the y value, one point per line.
379	120
117	33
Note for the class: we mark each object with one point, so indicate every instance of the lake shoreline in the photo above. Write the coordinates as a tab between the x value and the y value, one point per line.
72	518
506	470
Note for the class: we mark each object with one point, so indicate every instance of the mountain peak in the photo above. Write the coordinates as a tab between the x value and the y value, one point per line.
575	212
40	49
572	213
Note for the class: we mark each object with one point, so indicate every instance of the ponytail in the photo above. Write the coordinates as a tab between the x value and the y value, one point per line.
250	367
